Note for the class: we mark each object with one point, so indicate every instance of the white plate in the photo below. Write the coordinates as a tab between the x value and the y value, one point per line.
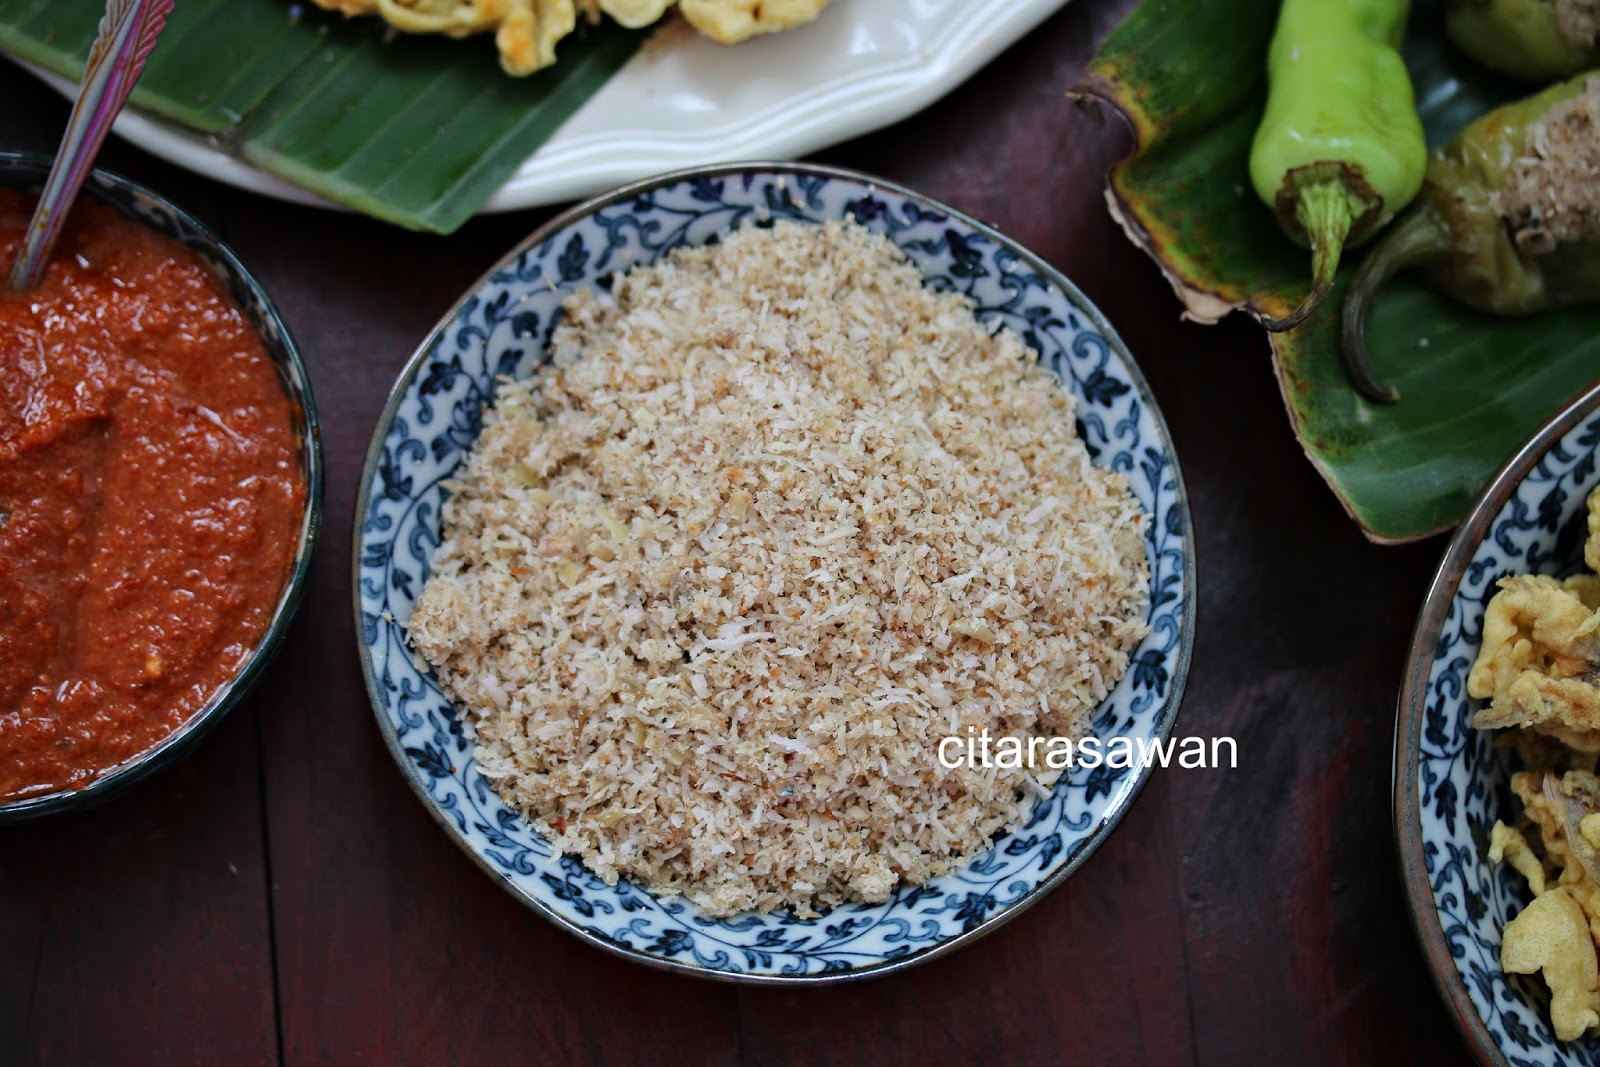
862	65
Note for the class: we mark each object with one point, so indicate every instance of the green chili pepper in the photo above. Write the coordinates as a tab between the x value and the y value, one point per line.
1340	148
1540	40
1508	221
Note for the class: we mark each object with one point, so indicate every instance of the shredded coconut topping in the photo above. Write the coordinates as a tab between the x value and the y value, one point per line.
1578	21
777	519
1553	191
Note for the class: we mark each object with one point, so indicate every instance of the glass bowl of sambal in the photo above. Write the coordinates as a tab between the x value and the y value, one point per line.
160	491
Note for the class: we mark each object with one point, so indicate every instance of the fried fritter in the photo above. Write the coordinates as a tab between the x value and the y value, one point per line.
635	14
1507	844
1591	547
527	31
1539	663
732	21
1565	708
1539	667
1551	935
1534	622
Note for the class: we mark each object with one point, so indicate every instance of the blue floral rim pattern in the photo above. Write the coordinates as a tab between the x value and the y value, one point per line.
503	326
28	170
1451	781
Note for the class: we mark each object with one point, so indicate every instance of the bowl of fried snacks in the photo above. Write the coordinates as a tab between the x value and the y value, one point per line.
1497	744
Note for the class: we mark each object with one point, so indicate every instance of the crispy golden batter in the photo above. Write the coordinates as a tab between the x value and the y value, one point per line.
1533	623
732	21
527	31
1565	708
1557	932
1508	845
1539	666
635	14
1586	587
1591	547
1551	935
1540	659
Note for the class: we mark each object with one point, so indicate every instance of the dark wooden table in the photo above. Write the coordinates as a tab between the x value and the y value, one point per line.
282	897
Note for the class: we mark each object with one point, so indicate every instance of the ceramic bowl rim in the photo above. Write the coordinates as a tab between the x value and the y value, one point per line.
1411	707
24	169
1180	506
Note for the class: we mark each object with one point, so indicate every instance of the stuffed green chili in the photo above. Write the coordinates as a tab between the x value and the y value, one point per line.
1540	40
1508	221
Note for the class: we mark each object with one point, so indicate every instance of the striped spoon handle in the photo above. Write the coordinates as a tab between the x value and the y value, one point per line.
128	32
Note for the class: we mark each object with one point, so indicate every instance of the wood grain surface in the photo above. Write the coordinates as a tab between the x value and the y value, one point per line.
281	897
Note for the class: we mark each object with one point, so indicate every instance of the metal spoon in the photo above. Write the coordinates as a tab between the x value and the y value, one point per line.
128	32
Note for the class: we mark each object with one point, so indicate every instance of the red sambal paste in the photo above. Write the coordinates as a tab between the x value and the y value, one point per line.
150	497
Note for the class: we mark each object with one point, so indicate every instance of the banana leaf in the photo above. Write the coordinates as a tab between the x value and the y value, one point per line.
417	131
1189	78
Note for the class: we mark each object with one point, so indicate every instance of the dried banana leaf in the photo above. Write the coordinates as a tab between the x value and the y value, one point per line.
415	131
1188	75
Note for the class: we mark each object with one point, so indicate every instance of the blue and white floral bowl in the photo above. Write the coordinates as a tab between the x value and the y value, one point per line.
503	326
1450	781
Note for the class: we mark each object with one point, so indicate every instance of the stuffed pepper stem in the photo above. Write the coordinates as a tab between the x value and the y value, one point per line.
1420	237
